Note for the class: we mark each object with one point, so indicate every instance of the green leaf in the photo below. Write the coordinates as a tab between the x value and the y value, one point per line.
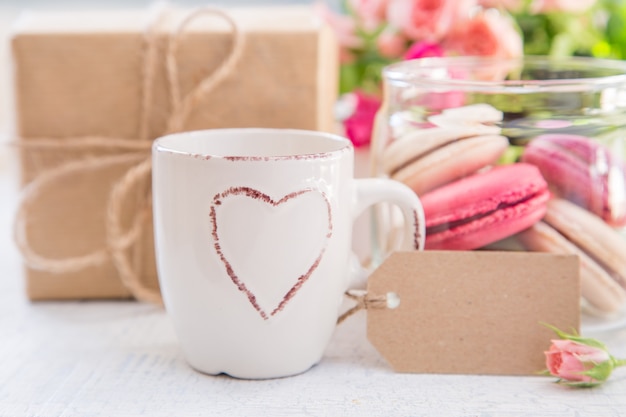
370	37
618	362
558	331
579	384
347	8
535	32
563	45
511	155
587	341
348	78
601	49
601	371
575	338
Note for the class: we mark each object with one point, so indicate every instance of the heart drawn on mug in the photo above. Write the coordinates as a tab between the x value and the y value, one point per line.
270	248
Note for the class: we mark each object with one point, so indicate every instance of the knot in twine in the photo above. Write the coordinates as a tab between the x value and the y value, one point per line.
122	152
364	301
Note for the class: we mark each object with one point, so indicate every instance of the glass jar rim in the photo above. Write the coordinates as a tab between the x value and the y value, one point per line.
423	70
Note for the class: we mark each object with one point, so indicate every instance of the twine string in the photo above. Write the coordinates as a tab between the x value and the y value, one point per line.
36	188
127	151
184	106
119	241
148	70
364	301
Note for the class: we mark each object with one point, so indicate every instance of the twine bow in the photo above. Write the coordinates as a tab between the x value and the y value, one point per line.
124	152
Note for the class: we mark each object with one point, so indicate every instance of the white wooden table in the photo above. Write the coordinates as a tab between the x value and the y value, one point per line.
122	359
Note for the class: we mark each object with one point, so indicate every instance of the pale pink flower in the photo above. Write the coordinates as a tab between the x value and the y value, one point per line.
423	19
487	33
370	13
571	361
344	26
391	44
510	5
578	361
568	6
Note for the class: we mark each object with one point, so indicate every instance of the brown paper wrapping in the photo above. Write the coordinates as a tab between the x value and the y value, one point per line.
81	74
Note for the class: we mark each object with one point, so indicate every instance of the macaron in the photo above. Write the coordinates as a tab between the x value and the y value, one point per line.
459	142
569	229
470	115
485	207
428	158
583	171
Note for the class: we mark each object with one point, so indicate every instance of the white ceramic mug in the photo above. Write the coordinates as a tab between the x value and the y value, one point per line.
253	231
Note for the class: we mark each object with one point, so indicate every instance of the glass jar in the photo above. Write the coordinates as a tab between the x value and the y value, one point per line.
461	129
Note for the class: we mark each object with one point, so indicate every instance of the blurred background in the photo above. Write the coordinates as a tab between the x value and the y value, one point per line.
10	9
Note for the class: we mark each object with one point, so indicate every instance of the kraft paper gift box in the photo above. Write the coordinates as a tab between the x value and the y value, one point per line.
93	89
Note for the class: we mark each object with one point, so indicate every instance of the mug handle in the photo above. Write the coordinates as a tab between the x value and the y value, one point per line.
371	191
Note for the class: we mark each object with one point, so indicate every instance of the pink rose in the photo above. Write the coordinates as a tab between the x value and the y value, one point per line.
391	44
568	6
510	5
371	13
436	101
423	19
579	361
358	126
488	33
345	30
571	360
423	49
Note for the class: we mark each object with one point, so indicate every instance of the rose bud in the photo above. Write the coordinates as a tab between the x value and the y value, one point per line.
578	361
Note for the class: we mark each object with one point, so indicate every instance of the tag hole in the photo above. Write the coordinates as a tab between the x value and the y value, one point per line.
393	300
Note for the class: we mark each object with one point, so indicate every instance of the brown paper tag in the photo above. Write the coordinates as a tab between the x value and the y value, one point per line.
475	312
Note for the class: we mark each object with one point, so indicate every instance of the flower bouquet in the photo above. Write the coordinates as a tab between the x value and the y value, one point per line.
375	33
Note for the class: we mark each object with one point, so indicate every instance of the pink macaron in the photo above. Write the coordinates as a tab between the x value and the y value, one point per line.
583	171
485	207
